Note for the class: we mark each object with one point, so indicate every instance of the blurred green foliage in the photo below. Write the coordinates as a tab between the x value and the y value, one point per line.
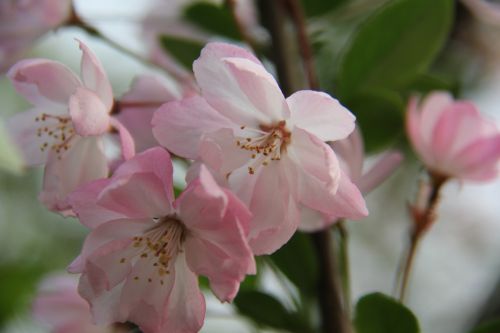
378	313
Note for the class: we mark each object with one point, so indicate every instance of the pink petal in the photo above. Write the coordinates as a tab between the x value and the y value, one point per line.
275	213
89	115
156	161
179	125
320	114
126	140
186	304
138	195
83	202
351	154
83	162
221	89
384	167
413	124
315	159
478	161
217	248
260	88
431	110
145	96
23	130
94	77
43	82
220	152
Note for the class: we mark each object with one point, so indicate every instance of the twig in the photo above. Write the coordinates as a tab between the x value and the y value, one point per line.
297	15
423	218
247	38
344	265
76	21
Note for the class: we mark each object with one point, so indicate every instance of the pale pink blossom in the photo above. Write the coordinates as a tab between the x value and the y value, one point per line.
350	152
22	22
452	138
141	261
63	130
137	106
269	150
60	308
352	160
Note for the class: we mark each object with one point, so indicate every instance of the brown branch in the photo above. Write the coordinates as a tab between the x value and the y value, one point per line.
423	218
297	15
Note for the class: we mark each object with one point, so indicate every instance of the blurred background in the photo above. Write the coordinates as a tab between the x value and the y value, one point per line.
457	267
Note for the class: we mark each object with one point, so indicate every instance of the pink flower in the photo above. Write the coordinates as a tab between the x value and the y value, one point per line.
486	11
22	22
352	157
59	307
269	149
64	128
141	260
137	106
452	138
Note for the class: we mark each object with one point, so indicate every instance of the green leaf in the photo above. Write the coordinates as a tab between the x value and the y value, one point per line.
183	50
378	313
425	83
213	18
397	42
297	261
489	327
380	115
265	310
21	283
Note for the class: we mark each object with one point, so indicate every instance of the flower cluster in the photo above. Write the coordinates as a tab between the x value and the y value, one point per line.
261	169
260	166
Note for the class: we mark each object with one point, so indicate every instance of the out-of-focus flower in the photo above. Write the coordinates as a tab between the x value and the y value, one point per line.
167	18
485	11
24	21
137	106
453	139
269	149
352	157
350	152
142	259
64	128
59	307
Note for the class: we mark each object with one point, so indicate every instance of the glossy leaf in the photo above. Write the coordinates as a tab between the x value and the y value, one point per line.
380	115
297	261
397	42
378	313
265	310
183	50
212	18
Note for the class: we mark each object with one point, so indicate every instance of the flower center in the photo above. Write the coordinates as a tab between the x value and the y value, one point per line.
270	143
56	133
159	245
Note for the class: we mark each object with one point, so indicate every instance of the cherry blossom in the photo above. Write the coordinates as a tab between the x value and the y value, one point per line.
141	260
59	307
137	106
22	22
64	128
350	152
269	150
352	160
452	138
